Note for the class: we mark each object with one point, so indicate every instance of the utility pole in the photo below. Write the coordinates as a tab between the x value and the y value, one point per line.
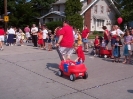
5	11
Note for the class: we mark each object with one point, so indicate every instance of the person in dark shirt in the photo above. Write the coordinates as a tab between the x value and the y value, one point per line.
116	52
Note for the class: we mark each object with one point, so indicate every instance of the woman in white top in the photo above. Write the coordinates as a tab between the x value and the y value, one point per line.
114	35
34	31
11	33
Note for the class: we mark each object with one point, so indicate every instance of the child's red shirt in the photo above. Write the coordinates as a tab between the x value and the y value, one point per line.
80	54
96	42
40	35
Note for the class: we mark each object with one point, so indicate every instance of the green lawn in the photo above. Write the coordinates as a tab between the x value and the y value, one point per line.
92	36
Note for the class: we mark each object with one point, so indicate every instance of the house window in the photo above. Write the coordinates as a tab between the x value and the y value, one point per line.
95	9
102	9
58	8
50	19
100	23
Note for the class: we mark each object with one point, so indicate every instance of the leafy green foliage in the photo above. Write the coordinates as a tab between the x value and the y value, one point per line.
125	7
53	25
95	32
72	9
76	20
40	5
23	12
1	7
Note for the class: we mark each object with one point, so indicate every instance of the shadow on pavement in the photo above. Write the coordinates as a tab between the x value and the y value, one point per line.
130	91
111	60
107	59
53	67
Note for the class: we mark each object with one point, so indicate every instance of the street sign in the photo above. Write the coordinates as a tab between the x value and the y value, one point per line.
6	18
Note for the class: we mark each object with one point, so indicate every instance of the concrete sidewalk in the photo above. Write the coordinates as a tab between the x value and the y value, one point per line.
30	73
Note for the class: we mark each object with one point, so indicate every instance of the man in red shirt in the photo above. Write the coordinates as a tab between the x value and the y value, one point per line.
66	40
85	34
2	34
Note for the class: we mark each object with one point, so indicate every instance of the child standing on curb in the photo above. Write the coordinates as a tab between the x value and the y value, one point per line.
96	45
22	37
40	38
116	51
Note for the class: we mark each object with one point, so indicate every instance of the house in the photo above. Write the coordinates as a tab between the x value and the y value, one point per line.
56	13
95	13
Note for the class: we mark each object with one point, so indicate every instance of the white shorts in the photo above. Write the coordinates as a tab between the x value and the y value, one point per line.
66	51
27	34
2	38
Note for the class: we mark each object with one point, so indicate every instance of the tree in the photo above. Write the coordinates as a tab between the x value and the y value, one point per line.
21	13
125	7
72	9
42	5
1	7
76	20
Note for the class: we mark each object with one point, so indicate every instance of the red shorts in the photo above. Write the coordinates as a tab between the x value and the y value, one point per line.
40	41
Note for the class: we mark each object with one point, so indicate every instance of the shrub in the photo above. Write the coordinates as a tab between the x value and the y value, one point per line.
95	32
53	25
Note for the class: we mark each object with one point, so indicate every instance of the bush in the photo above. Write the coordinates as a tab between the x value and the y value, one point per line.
95	32
53	25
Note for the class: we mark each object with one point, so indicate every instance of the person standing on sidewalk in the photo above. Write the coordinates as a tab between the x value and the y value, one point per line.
66	40
27	33
106	36
128	40
11	33
85	35
34	31
45	36
2	34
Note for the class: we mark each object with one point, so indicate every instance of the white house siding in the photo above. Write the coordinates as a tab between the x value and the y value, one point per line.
107	17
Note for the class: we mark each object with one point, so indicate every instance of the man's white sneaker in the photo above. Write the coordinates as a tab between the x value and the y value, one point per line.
2	49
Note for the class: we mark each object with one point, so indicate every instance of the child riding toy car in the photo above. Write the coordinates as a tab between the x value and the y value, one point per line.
72	69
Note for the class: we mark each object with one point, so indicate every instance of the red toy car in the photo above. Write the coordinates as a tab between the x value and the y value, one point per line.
105	53
72	69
